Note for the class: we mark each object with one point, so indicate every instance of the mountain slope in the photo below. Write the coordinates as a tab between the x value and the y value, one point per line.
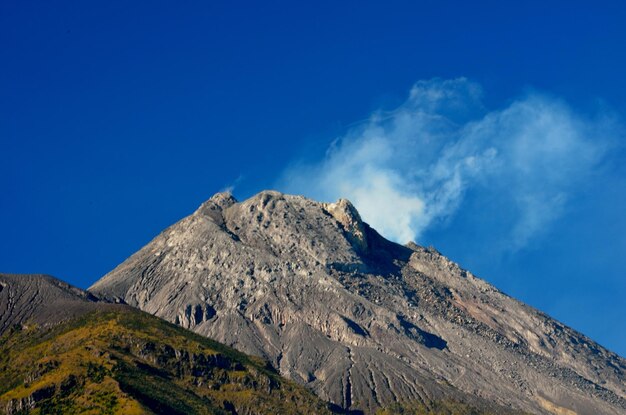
360	320
40	299
106	358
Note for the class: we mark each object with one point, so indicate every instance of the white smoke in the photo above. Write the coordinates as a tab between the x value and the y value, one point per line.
410	168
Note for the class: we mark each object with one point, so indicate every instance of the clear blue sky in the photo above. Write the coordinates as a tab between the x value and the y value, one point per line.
119	118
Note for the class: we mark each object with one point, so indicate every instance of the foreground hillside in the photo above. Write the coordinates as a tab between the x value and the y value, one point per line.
84	356
363	322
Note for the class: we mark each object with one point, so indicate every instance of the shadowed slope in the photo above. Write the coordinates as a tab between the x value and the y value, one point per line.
41	299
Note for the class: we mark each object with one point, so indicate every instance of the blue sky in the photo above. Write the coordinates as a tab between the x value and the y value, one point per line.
495	131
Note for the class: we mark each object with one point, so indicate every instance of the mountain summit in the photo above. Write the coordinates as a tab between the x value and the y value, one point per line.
360	320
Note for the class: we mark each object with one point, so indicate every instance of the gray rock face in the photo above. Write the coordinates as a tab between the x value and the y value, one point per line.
40	299
360	320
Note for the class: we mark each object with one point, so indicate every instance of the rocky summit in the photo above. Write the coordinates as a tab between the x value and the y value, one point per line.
361	321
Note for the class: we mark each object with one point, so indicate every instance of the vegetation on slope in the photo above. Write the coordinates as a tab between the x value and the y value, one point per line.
126	361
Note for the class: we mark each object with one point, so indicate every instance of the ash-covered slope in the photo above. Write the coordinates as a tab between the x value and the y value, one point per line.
360	320
40	299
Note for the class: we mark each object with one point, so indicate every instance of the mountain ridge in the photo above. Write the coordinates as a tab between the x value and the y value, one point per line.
360	320
41	299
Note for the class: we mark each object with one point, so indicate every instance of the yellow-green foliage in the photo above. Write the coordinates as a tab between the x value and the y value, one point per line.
128	362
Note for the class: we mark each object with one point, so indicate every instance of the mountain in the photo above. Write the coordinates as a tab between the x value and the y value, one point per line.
361	321
63	351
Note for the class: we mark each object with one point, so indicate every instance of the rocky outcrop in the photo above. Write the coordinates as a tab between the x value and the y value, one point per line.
24	405
360	320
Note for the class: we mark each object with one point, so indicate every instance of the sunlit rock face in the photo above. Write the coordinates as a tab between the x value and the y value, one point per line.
360	320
